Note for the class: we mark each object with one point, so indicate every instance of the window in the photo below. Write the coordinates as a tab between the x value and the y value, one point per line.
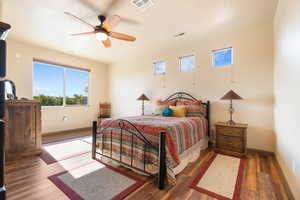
222	57
48	85
187	63
55	85
159	68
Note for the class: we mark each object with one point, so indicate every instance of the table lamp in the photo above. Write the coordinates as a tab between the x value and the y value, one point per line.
231	95
143	98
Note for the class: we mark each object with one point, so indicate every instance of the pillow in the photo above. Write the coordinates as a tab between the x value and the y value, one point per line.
162	105
169	103
188	102
194	108
167	112
178	111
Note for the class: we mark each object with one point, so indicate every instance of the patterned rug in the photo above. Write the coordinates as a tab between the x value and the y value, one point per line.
94	181
221	178
57	151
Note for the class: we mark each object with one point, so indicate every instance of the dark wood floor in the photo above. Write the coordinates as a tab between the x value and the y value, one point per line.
62	135
26	179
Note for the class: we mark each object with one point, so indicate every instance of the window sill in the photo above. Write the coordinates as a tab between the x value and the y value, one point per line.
225	66
66	106
77	106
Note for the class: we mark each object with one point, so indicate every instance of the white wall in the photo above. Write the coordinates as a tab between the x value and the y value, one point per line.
1	12
286	88
19	69
252	74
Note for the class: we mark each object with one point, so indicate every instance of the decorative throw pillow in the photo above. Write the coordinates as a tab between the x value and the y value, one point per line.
167	112
178	111
159	109
194	108
162	105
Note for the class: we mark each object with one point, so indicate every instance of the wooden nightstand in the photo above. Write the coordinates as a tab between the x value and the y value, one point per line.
231	139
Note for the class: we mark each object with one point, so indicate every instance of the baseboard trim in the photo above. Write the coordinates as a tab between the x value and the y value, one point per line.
261	151
65	134
66	131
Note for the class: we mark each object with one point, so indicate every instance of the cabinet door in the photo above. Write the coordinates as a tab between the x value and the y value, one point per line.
23	129
20	128
25	126
29	127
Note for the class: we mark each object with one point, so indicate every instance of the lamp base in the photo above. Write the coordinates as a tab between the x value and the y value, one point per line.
230	122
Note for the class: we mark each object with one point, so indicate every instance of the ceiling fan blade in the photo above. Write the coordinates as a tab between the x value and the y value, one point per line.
111	22
85	33
107	43
80	20
122	36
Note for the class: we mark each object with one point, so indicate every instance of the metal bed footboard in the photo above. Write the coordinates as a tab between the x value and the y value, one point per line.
161	150
122	126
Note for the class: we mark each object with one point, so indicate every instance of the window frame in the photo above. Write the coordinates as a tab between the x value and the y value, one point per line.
179	60
159	74
222	49
64	67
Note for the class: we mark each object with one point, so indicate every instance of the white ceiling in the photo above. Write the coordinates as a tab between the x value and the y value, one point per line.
43	23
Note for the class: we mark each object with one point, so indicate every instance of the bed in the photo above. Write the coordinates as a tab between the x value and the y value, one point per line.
153	145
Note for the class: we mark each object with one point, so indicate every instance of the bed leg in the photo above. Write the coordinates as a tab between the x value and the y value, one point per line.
208	117
94	139
162	161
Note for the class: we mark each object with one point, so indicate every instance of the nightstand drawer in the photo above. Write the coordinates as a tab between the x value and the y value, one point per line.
230	143
238	132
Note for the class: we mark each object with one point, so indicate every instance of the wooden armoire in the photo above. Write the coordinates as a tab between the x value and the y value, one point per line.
23	128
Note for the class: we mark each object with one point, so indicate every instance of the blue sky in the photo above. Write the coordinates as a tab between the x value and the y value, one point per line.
223	57
49	80
187	63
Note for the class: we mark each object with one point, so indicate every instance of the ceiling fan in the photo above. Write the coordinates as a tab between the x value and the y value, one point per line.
104	31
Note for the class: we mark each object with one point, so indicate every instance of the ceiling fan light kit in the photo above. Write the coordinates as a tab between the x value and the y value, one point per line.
101	36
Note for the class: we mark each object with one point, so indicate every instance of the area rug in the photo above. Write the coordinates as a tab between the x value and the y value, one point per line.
57	151
88	140
76	161
94	181
221	178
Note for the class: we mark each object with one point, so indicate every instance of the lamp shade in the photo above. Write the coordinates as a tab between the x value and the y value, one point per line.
231	95
143	97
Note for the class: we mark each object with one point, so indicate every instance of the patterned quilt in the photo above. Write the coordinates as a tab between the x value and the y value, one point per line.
181	134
